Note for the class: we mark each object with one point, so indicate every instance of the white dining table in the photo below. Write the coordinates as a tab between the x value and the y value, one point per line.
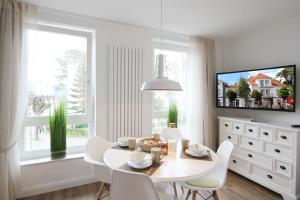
173	168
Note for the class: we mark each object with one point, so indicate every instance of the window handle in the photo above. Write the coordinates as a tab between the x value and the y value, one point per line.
234	161
250	155
265	133
250	143
237	127
229	137
250	130
226	125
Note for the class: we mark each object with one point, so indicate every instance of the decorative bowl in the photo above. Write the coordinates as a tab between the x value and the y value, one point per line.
147	143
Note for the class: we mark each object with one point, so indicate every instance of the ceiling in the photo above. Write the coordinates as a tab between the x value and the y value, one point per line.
210	18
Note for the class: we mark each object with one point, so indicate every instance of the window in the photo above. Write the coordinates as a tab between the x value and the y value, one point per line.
262	83
59	69
176	66
267	82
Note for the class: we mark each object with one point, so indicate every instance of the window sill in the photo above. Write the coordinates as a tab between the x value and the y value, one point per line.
49	160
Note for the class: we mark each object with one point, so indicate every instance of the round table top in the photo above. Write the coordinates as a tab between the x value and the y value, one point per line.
174	167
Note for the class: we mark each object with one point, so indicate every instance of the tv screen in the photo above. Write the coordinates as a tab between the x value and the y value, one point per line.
263	89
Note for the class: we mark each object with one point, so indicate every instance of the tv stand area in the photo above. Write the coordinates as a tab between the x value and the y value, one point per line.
266	153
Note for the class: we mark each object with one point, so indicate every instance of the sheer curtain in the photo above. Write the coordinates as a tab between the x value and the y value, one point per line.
14	18
201	119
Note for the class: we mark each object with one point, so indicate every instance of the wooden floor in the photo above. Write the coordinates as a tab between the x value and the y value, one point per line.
236	188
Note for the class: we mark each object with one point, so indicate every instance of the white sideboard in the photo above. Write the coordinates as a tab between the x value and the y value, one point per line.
267	153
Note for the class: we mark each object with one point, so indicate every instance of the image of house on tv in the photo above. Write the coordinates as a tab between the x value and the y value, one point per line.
265	89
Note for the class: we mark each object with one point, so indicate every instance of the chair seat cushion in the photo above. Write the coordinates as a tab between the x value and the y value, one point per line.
206	182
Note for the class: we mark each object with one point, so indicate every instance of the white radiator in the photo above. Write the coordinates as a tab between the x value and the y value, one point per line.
125	97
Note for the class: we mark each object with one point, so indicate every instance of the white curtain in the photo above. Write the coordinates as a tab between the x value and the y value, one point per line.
201	119
14	17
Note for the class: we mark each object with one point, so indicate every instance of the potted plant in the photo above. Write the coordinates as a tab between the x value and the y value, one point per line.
58	131
172	115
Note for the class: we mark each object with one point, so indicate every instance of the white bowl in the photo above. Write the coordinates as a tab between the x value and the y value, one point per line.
123	141
139	158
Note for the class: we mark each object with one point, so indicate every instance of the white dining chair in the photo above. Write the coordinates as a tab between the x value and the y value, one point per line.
134	186
95	148
216	179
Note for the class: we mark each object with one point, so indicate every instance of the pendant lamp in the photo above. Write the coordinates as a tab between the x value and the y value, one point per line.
161	81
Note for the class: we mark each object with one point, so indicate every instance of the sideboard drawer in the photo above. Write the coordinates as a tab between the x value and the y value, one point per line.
230	137
272	178
267	133
226	125
238	127
255	158
239	164
251	130
284	137
251	143
279	151
283	168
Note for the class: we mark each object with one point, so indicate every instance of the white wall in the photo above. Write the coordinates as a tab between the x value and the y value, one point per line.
49	176
273	45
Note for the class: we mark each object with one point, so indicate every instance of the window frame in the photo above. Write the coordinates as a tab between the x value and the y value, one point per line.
85	118
168	45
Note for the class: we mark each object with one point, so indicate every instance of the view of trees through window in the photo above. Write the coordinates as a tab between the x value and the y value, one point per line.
176	67
57	71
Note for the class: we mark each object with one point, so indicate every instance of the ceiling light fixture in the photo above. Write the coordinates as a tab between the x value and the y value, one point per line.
161	81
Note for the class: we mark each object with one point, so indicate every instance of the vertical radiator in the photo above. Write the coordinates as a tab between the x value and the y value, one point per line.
125	97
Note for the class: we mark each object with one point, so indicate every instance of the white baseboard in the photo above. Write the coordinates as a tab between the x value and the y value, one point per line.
54	186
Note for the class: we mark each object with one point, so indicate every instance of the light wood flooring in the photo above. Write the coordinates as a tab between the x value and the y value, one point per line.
236	188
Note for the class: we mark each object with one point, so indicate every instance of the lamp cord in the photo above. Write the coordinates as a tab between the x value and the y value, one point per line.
161	26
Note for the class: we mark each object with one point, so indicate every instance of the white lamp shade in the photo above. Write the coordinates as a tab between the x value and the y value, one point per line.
161	84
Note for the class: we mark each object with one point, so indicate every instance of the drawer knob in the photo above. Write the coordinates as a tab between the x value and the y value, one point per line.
250	130
234	161
250	155
226	125
250	143
283	137
282	167
265	133
229	137
269	176
237	127
277	150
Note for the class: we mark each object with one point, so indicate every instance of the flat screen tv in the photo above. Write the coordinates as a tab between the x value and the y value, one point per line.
271	89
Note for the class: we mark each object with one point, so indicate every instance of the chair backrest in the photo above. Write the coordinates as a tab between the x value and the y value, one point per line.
224	152
95	148
132	186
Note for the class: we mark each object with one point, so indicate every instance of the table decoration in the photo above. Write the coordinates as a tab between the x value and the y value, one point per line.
147	143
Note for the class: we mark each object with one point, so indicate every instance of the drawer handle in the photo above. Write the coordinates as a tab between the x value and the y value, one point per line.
250	155
250	130
269	176
265	133
277	150
283	137
226	125
229	137
282	167
234	161
250	143
237	127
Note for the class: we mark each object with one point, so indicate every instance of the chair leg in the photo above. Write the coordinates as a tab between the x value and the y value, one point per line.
194	195
215	195
188	195
175	189
101	190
